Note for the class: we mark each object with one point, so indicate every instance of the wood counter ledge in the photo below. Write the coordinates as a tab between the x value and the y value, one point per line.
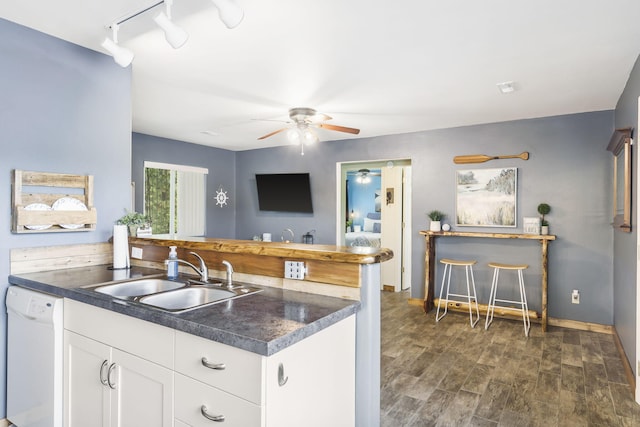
326	265
344	254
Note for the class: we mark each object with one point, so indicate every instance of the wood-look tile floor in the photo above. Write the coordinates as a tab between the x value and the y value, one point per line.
447	374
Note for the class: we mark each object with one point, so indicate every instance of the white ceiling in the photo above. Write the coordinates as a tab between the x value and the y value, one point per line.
384	67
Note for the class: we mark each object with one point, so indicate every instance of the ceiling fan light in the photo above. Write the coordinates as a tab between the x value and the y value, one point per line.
230	13
175	35
310	136
121	55
293	136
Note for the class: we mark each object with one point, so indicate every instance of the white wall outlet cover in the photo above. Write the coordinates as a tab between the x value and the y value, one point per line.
136	253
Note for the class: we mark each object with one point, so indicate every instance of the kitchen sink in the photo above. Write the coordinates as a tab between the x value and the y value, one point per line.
190	298
136	288
175	296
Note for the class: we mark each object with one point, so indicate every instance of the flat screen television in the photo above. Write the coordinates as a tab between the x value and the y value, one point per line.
284	192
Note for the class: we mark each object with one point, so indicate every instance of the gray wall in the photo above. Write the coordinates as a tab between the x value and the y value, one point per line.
569	168
221	165
624	244
64	109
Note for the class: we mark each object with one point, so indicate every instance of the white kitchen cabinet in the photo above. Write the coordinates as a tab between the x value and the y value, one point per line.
310	383
106	387
116	372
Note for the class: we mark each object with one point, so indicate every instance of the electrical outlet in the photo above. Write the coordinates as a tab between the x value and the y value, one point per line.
575	297
136	253
294	270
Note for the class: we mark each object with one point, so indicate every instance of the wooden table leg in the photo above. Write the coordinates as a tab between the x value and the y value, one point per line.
429	272
545	248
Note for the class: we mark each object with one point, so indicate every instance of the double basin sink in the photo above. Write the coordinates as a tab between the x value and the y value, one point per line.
174	295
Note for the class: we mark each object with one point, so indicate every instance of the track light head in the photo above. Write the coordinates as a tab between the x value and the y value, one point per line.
230	13
175	35
121	55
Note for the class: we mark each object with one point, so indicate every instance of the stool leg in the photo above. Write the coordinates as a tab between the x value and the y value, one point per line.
444	275
469	270
492	298
525	307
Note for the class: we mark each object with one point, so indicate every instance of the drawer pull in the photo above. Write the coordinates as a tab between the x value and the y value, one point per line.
112	385
103	380
216	366
216	418
282	380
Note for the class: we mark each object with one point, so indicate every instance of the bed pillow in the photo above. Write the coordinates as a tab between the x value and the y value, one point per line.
374	215
368	225
377	226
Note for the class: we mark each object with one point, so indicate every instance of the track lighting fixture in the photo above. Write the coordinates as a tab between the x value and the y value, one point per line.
175	35
230	13
121	55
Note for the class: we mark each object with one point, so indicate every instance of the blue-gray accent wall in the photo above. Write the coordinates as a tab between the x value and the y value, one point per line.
220	221
64	109
625	244
569	169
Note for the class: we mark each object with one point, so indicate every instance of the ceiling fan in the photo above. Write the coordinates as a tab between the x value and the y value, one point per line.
305	119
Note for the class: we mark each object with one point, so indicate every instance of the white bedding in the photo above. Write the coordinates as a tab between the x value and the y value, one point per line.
362	238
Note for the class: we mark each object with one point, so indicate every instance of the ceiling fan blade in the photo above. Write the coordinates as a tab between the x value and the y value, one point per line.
272	133
339	128
319	117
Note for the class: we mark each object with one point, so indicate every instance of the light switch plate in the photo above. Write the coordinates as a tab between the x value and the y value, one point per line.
294	270
136	253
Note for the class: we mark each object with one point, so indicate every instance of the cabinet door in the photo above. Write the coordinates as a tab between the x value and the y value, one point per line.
142	394
312	383
86	398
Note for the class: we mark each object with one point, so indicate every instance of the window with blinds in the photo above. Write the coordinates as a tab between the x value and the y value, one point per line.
175	198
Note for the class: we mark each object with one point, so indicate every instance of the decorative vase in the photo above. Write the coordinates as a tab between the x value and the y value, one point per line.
544	230
434	226
133	230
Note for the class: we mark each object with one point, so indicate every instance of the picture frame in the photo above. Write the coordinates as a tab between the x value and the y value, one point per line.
486	197
531	225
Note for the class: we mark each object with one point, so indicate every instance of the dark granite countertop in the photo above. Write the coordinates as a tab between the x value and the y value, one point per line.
263	323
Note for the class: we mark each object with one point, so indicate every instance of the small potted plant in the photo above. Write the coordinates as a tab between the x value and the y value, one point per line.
436	217
544	209
134	220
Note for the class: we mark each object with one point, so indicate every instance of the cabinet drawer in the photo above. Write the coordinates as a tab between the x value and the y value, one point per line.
242	373
191	395
145	339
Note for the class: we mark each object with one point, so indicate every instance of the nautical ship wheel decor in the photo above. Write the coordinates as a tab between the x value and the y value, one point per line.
221	197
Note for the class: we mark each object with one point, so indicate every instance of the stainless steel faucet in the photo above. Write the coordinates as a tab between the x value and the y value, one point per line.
203	271
229	273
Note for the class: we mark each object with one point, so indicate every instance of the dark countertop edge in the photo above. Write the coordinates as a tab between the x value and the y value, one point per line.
162	318
346	254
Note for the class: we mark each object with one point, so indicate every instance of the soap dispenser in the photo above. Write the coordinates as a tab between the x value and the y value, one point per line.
172	263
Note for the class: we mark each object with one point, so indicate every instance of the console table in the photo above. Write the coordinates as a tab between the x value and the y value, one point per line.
430	257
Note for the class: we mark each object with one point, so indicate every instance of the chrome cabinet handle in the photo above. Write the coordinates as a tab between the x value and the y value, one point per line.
112	385
216	418
282	380
103	380
216	366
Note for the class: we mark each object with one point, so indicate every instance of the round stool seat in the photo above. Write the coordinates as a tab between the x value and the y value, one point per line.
508	266
457	262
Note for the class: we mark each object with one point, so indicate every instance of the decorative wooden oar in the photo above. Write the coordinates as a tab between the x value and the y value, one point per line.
481	158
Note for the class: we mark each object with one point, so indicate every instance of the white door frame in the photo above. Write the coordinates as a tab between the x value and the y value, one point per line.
341	176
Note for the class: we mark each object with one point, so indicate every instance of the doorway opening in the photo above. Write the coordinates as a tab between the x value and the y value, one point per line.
374	209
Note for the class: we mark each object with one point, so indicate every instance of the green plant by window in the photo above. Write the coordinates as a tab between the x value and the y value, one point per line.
133	218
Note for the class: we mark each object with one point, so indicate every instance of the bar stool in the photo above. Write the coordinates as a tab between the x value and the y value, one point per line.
468	267
524	308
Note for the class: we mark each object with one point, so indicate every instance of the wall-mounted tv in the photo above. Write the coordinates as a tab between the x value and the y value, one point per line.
284	192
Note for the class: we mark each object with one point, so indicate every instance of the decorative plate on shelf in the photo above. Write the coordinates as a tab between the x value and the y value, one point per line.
37	207
69	204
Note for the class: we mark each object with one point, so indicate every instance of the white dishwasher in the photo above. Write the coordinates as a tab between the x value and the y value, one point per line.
34	358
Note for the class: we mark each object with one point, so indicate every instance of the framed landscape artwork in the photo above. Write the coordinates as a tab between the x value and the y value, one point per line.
486	197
